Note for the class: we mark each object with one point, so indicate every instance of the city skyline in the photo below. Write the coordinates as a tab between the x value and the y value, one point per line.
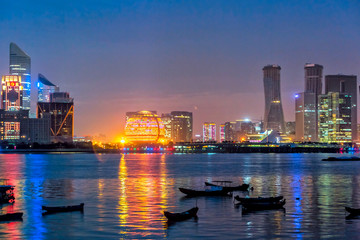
153	62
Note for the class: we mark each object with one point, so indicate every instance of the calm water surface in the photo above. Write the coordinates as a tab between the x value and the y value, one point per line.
125	196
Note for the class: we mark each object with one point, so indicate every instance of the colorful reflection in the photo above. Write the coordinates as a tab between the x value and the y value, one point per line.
143	193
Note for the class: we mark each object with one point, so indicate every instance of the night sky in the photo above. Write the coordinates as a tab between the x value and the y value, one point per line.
199	56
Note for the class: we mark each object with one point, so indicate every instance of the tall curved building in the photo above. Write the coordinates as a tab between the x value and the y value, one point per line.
20	64
274	115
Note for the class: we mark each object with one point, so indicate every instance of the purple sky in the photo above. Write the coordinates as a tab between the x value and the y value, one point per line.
199	56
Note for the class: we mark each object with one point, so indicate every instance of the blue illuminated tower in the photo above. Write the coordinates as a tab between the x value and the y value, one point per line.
20	64
45	88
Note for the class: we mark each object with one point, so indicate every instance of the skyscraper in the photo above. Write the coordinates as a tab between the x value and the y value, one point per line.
345	84
45	88
230	133
274	115
335	117
306	104
20	64
306	117
12	93
181	126
209	132
313	78
222	132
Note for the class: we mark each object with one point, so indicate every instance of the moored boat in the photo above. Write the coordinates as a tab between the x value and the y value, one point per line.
258	199
223	184
63	208
343	158
353	211
11	217
182	216
218	191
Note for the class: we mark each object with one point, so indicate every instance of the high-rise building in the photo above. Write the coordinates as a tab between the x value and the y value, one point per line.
242	128
209	132
274	115
181	126
345	84
166	119
61	111
313	78
230	133
335	117
45	88
306	117
12	93
20	64
10	125
222	132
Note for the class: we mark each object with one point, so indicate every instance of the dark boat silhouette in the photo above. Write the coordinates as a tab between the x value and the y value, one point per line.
181	216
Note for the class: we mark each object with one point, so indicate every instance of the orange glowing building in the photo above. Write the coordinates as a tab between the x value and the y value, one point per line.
144	126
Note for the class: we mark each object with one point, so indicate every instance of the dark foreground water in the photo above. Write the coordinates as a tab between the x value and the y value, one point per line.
125	196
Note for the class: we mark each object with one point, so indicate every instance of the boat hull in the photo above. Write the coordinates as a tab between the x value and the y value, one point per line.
11	217
181	216
353	211
191	192
63	208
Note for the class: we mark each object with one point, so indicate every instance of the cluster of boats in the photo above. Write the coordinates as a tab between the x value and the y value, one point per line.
223	188
7	196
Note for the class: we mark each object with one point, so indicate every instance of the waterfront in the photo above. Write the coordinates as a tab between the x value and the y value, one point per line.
125	195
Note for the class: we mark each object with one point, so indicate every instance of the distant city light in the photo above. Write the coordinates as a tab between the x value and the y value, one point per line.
296	95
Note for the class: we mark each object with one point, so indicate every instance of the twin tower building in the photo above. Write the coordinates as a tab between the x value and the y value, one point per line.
329	117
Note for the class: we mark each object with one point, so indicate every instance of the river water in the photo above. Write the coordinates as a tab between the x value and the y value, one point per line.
125	196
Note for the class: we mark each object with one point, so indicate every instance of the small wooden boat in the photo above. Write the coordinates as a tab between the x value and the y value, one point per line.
181	216
340	159
255	206
207	192
258	199
11	217
63	208
223	184
353	211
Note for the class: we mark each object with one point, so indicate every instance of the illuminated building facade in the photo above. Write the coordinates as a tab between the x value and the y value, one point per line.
166	119
335	118
10	125
209	132
345	84
242	128
20	65
60	110
144	126
230	133
45	88
11	93
182	126
222	132
274	115
306	117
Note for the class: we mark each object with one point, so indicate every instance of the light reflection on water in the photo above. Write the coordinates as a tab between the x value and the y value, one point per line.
125	195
